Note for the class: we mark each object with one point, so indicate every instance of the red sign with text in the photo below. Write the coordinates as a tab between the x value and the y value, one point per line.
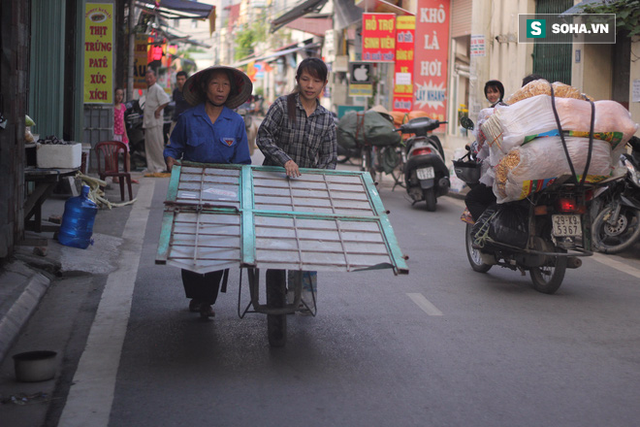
403	73
378	37
431	54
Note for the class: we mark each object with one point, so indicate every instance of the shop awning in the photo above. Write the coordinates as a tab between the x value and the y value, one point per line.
315	26
299	10
179	9
579	8
272	56
345	13
381	6
176	38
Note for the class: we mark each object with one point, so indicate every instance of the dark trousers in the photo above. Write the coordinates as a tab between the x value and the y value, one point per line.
202	287
478	199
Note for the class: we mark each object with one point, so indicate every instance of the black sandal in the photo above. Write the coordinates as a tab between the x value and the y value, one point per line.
194	306
206	311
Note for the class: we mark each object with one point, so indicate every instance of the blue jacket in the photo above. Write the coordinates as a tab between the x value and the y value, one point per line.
196	139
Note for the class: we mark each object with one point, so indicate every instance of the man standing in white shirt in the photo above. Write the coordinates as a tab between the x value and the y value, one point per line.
152	123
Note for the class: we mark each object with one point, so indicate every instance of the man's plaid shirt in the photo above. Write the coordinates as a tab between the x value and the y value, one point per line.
311	141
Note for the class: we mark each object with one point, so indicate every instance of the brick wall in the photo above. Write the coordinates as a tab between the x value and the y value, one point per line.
14	68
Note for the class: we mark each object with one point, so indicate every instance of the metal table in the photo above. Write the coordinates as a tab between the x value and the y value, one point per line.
222	216
45	181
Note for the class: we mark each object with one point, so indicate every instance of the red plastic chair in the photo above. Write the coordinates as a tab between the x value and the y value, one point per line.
108	156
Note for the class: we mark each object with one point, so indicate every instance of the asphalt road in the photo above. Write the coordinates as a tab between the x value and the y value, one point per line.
442	346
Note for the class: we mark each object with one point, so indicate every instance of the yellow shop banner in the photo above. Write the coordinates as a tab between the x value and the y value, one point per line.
98	54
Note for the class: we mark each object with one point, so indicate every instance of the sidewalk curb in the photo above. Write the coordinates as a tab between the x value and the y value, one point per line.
34	285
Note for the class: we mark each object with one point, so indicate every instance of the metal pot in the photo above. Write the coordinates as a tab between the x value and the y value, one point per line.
35	366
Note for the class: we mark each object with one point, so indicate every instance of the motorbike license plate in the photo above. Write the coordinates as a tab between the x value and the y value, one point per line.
426	173
566	225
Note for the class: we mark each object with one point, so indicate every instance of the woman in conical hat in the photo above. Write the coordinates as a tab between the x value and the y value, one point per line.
241	86
210	132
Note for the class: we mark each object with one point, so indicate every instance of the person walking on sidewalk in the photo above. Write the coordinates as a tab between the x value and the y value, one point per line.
153	121
298	132
211	132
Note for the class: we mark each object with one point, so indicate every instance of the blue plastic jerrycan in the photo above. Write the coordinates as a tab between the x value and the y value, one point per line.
77	221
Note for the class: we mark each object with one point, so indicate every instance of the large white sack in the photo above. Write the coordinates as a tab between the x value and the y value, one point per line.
511	126
533	166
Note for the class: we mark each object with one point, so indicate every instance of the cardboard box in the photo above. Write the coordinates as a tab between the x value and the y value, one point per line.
56	156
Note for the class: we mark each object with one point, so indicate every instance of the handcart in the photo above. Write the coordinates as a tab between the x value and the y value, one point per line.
222	216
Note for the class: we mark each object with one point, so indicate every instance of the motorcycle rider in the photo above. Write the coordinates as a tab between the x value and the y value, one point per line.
481	196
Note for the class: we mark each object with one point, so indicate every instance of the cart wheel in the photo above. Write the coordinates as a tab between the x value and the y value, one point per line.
276	298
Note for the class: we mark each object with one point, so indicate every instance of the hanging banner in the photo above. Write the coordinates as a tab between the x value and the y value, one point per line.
140	61
378	37
431	54
403	73
98	54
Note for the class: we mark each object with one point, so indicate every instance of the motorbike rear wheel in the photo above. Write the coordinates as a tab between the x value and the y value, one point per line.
430	197
613	238
474	254
548	278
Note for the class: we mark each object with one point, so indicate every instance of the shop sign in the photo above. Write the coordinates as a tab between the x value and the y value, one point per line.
378	37
403	73
140	61
477	47
360	79
98	54
360	90
431	57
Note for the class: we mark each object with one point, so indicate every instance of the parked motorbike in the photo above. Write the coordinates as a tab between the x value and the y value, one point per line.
426	177
347	155
544	234
133	122
371	138
617	226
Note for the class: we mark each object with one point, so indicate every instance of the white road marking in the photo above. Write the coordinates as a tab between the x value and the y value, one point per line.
620	266
91	394
424	304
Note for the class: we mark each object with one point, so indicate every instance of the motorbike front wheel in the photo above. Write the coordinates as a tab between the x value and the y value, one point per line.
548	278
368	159
613	237
473	254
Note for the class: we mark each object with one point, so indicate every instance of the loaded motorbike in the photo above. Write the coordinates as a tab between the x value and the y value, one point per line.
426	177
544	234
347	154
371	137
617	226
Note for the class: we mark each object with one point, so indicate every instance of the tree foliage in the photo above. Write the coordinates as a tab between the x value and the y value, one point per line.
627	15
247	37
